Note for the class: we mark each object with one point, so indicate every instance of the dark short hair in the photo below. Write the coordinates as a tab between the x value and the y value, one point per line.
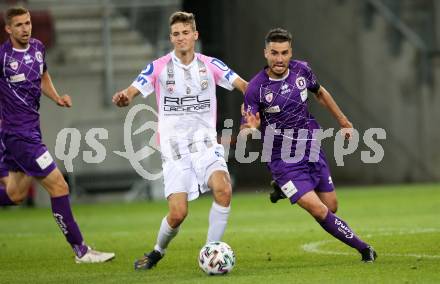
183	17
13	12
278	35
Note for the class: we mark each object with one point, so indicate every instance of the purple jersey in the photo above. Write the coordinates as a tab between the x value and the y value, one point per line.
20	92
20	85
282	104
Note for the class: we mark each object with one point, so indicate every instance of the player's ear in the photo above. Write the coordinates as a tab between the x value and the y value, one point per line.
196	35
8	29
265	51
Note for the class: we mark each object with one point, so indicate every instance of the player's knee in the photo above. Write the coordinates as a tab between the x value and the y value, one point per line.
17	197
223	195
59	188
319	211
333	207
176	217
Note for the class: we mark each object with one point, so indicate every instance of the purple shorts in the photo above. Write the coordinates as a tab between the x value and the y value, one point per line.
296	179
25	152
4	171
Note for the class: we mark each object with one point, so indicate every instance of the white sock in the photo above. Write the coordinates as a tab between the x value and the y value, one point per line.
218	219
165	235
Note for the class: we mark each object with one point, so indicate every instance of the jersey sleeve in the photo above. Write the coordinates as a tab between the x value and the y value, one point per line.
312	83
251	99
146	80
44	59
2	62
223	75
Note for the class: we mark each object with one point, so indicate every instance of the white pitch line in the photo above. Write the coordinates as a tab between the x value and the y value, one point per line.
314	247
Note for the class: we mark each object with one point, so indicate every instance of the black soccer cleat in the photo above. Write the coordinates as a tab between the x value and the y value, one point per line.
148	261
368	255
276	194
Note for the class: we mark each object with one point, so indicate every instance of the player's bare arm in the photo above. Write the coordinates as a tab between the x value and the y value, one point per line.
326	99
49	91
240	85
124	97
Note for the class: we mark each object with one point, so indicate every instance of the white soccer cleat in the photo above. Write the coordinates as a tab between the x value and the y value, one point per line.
94	256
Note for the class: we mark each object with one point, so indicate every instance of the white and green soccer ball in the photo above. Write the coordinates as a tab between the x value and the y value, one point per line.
216	258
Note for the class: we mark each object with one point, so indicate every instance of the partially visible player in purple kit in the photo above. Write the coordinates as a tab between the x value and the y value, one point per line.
276	99
23	77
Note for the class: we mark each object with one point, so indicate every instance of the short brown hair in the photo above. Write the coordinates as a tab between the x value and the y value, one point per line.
183	17
278	35
13	12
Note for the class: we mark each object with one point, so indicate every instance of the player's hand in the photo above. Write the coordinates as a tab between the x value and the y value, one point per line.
251	120
121	99
243	113
346	128
64	101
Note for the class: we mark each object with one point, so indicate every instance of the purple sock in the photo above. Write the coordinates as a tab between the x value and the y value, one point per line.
4	198
340	230
64	218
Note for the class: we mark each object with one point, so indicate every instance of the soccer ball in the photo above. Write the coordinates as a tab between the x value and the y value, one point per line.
216	258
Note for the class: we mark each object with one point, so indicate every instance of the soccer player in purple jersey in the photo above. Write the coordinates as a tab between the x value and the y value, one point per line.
276	100
23	77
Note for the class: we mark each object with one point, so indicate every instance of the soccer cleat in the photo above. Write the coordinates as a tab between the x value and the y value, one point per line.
368	254
276	194
148	261
94	256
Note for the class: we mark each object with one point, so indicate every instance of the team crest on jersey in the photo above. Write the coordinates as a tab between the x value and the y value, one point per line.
39	56
170	86
204	84
300	83
268	97
14	65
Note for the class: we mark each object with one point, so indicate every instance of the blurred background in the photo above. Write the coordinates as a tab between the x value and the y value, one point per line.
380	60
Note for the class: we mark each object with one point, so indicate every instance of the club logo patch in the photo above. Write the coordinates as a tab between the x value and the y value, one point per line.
300	83
268	97
39	56
14	65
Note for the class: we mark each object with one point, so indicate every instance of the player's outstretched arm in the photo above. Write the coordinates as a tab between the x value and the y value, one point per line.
49	91
326	99
240	84
125	97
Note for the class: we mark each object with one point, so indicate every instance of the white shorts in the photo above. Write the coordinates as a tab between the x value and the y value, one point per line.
190	173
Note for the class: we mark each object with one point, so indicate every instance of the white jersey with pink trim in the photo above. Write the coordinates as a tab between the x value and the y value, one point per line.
186	97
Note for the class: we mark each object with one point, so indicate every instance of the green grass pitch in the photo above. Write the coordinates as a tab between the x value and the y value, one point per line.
273	243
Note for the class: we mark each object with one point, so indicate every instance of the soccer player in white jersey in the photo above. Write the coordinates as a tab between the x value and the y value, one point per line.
193	162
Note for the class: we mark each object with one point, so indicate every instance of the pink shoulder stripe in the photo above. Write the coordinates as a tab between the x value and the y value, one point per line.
215	71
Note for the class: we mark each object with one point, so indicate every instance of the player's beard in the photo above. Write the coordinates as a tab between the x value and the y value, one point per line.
23	40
